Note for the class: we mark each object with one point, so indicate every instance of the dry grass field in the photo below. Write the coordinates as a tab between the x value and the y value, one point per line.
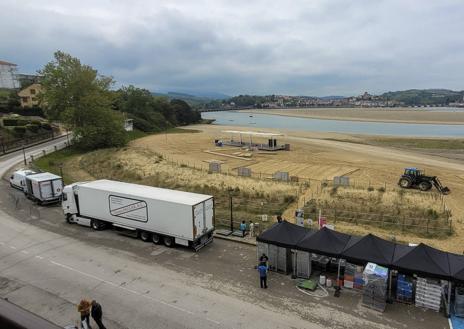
180	161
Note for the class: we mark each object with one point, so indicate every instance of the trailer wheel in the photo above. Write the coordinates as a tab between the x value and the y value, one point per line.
168	241
156	238
145	236
95	224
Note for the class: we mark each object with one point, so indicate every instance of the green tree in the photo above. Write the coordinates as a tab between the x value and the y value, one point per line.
81	98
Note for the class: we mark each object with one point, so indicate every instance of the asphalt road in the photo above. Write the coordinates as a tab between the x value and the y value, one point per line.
47	266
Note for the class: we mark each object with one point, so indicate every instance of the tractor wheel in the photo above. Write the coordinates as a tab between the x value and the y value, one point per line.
405	183
425	186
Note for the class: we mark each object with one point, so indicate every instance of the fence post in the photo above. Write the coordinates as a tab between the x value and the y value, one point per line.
450	227
402	229
427	225
231	214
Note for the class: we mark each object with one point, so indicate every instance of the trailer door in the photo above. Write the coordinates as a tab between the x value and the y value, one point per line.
46	190
209	214
199	218
57	185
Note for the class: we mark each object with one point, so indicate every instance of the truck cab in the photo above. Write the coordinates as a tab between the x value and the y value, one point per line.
70	205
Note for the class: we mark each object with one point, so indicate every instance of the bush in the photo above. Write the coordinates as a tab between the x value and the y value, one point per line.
33	127
370	188
46	126
19	131
381	189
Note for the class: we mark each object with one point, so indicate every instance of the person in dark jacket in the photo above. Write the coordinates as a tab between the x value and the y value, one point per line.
97	314
262	269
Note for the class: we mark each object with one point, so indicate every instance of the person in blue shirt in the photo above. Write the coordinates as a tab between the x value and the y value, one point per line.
262	269
243	227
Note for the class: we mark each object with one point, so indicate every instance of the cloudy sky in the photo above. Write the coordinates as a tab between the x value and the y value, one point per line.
308	47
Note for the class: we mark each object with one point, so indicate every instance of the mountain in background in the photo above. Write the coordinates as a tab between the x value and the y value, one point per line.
425	96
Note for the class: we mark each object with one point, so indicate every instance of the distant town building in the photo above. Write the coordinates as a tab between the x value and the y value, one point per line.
8	75
29	95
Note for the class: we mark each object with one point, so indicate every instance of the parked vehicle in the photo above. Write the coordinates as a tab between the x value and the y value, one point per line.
160	215
18	178
44	188
416	178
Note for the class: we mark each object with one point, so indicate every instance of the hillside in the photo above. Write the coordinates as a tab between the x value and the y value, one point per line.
424	96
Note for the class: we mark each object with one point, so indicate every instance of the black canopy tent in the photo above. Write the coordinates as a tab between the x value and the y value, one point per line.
425	261
324	242
456	266
369	248
277	243
283	234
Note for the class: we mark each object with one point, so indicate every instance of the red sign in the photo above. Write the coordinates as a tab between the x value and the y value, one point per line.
322	222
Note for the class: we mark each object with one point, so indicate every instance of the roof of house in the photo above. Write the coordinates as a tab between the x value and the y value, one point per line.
24	92
7	63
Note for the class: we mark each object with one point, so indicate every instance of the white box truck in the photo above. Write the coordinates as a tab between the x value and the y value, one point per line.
154	214
18	178
44	188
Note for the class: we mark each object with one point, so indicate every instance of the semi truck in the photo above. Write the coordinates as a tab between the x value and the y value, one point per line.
153	214
44	188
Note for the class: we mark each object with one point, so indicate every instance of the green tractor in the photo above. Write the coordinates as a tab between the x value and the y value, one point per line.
415	178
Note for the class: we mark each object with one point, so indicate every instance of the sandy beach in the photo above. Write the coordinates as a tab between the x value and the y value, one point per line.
399	115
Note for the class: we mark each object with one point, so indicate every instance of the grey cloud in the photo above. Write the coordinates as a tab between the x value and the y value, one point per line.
298	47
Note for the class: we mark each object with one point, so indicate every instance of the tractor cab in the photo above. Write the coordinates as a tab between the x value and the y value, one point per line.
413	172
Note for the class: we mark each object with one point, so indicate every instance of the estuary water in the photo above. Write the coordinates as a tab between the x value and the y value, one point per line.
255	120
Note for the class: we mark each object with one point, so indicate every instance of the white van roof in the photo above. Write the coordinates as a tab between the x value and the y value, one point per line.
149	192
25	172
44	176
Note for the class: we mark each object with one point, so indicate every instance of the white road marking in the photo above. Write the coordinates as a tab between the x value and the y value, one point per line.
24	252
12	247
129	290
39	257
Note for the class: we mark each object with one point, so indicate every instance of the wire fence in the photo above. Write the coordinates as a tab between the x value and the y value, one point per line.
8	145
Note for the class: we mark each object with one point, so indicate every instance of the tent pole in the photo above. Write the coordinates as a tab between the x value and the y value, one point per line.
449	299
390	286
338	286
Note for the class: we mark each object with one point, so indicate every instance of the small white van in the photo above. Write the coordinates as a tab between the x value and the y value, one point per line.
18	178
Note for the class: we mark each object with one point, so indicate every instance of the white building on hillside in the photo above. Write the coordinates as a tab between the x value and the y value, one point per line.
8	77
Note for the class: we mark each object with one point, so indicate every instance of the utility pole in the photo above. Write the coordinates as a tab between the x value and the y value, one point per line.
61	170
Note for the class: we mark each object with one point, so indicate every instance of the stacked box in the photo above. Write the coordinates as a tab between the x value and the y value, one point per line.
348	277
358	278
428	294
459	302
405	289
375	288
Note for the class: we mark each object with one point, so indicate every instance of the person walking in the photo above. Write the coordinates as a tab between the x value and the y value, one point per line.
97	314
252	229
263	258
243	228
262	268
84	309
279	219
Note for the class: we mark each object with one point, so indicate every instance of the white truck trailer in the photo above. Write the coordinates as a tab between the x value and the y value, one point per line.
160	215
18	178
44	188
